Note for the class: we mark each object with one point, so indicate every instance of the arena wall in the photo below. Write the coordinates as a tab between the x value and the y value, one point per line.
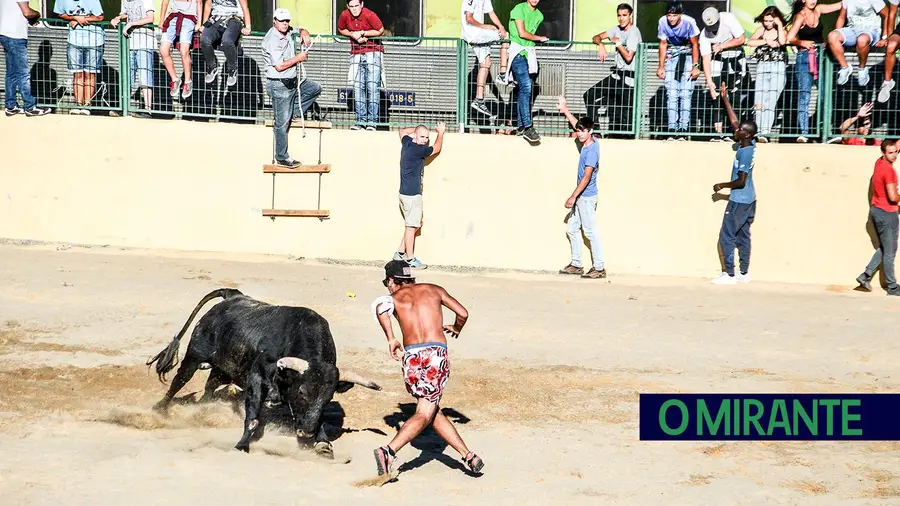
490	200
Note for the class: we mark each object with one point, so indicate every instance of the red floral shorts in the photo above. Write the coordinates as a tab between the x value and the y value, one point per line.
426	370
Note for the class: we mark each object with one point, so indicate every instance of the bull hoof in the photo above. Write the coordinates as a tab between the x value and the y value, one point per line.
324	450
242	447
162	407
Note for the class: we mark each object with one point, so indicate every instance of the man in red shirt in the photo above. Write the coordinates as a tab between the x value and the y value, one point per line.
884	215
360	24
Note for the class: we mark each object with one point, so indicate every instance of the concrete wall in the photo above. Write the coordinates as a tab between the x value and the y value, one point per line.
490	201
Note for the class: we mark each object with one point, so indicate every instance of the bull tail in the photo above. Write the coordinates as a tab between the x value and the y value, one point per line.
349	378
167	359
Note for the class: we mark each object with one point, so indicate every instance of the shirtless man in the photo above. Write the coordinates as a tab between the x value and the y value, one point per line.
426	365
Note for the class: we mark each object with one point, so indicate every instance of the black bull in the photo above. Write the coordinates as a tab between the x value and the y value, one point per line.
271	352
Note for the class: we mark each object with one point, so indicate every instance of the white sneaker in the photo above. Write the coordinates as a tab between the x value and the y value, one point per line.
742	278
802	139
885	92
863	77
724	279
844	75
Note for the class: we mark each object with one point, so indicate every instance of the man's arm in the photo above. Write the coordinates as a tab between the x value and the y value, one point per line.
439	142
564	108
247	21
732	117
695	56
461	314
737	184
29	13
864	111
582	184
384	319
886	27
523	33
707	73
892	16
286	64
498	24
406	131
842	19
207	10
661	70
626	52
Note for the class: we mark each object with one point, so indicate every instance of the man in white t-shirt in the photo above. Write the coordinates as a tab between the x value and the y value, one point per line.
15	15
481	37
860	24
137	14
722	53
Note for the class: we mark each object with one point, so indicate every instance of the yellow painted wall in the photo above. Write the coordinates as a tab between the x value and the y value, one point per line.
502	208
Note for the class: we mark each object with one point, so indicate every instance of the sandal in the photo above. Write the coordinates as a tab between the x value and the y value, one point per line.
474	462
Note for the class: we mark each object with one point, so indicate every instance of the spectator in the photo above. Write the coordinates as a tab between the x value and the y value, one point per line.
481	37
361	24
414	151
178	27
583	201
224	21
806	32
618	88
281	60
138	14
524	20
890	56
864	31
678	37
15	16
883	213
769	40
84	55
865	125
741	209
721	49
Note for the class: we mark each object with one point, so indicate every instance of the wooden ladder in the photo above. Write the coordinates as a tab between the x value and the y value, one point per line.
319	168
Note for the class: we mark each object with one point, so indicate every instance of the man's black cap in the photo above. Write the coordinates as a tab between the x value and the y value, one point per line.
398	269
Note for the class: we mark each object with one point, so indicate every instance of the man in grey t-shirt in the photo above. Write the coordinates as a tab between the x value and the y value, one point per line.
616	90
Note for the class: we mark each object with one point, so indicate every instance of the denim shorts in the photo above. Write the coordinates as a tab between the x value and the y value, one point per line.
186	36
851	33
84	59
141	68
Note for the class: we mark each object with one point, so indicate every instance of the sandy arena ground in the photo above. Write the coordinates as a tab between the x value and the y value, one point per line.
544	386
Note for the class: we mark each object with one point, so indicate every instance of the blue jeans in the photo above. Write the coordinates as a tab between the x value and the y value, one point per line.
679	89
519	69
366	96
735	231
309	92
584	218
18	78
284	98
804	82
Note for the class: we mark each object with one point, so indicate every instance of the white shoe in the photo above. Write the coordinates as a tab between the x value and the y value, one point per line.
802	139
742	278
724	279
863	77
844	75
885	92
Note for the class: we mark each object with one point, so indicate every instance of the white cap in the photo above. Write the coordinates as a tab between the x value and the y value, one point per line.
282	14
710	16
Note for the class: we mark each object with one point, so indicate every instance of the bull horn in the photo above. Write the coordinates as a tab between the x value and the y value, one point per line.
353	377
293	363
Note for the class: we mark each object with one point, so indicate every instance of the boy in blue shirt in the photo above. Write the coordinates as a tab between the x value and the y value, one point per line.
741	208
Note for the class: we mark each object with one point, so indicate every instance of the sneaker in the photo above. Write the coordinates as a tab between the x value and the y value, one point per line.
384	459
530	135
187	89
884	93
15	110
864	284
724	279
480	106
742	278
473	462
802	139
141	115
844	75
37	111
519	131
863	77
401	256
764	140
356	127
80	112
501	78
416	264
571	269
370	128
289	163
211	75
594	274
232	78
895	291
173	88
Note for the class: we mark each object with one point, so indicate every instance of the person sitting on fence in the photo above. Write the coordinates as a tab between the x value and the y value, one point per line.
224	22
678	37
890	56
178	27
481	37
524	20
84	55
618	88
138	14
806	32
15	16
769	40
721	48
864	118
365	73
863	31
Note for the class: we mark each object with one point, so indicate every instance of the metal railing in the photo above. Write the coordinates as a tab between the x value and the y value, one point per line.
426	80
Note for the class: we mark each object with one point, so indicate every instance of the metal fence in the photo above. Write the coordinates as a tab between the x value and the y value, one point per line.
426	80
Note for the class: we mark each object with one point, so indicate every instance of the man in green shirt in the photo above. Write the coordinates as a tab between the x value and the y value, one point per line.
523	23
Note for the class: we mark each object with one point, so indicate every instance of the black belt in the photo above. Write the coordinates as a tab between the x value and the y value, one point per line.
285	80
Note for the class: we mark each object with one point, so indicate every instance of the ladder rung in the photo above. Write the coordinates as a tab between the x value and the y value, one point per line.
303	169
297	213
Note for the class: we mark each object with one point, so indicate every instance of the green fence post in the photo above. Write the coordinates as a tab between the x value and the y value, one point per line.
124	72
826	92
461	82
637	110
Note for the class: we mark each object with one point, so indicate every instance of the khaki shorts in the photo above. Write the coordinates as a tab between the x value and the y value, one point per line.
412	210
482	37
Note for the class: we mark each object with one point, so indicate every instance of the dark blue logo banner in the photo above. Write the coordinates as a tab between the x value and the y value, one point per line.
776	417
